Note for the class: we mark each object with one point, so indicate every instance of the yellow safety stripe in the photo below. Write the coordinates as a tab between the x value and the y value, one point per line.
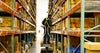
47	22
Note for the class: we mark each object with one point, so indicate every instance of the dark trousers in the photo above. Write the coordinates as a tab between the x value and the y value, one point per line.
46	36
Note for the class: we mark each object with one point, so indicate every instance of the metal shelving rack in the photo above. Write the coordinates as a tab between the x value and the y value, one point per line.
82	6
33	18
13	13
12	32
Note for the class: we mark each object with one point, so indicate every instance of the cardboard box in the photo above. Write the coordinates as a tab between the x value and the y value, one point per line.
58	2
97	23
8	2
24	3
59	51
92	47
66	6
7	23
73	2
65	44
63	25
76	23
98	20
6	41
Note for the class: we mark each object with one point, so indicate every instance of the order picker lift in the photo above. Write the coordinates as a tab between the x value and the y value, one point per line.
46	47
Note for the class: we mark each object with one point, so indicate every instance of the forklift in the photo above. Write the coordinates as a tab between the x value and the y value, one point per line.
46	47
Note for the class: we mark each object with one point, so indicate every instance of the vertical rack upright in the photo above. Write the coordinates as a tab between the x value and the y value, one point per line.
12	27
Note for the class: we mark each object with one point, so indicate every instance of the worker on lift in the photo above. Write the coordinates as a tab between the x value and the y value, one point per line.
46	40
47	24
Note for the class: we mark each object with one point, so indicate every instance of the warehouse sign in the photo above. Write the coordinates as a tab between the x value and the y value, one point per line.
1	20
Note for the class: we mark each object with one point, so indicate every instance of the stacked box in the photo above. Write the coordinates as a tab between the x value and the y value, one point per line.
66	24
92	47
63	10
75	23
28	27
6	41
97	17
56	5
59	26
54	18
27	17
63	25
73	2
53	28
59	47
65	44
24	3
7	23
22	11
8	2
97	20
66	6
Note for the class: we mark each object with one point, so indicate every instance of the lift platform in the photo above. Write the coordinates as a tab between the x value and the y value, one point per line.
46	48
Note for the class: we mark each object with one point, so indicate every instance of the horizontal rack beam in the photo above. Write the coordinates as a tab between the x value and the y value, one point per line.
92	35
58	32
28	32
75	33
12	32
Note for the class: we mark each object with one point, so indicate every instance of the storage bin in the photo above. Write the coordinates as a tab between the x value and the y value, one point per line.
73	49
92	47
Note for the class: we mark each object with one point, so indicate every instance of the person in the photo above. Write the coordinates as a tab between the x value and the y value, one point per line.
47	24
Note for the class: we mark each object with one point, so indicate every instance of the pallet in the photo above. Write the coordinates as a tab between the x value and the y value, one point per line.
46	50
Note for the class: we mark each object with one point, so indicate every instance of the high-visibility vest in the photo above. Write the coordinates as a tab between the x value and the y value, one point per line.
46	22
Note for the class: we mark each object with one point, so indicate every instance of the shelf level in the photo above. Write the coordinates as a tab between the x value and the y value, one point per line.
70	33
13	32
8	32
76	33
28	32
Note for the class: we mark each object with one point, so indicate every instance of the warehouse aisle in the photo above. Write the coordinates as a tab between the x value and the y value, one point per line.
36	46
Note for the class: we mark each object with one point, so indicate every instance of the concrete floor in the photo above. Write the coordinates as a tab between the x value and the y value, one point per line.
36	48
